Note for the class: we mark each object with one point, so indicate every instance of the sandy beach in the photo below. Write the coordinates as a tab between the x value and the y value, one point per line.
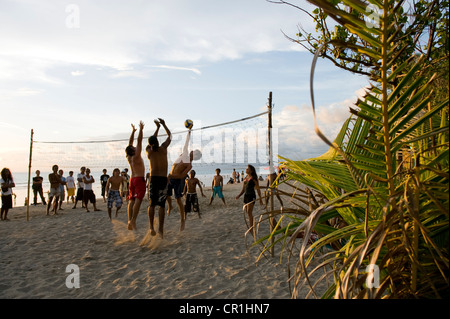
210	259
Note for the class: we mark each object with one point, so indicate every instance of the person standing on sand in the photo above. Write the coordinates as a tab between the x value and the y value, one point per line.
62	193
70	187
248	189
177	177
7	183
80	191
37	188
112	189
157	156
137	186
88	194
104	180
55	181
217	187
190	189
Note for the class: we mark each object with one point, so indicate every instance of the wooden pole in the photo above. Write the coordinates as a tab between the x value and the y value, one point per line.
29	176
269	191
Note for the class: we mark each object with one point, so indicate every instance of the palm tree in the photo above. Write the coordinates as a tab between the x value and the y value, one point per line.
378	199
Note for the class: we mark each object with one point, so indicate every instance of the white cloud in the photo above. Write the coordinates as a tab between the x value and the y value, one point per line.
122	35
171	67
297	138
77	73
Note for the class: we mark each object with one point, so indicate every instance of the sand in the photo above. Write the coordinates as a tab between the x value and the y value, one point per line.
210	259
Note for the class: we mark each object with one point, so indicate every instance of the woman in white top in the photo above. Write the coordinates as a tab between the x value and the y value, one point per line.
7	182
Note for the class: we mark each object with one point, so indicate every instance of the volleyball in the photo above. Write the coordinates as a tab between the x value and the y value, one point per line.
188	124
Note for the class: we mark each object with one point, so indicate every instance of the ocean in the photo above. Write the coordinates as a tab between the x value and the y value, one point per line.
204	173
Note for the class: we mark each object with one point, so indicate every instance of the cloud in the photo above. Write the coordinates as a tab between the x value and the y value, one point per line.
171	67
295	125
36	36
77	73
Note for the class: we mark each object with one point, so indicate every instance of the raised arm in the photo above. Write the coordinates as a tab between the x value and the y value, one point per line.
169	135
140	137
132	135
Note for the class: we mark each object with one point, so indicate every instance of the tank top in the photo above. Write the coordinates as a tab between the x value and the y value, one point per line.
250	188
88	187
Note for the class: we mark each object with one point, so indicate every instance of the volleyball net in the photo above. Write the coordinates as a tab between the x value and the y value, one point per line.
239	142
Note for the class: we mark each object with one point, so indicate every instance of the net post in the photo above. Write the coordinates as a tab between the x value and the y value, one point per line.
270	192
29	176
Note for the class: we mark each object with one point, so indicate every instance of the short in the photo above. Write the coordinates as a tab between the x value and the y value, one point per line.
71	192
158	191
217	190
7	201
54	192
191	200
137	188
248	198
80	193
177	185
114	196
89	196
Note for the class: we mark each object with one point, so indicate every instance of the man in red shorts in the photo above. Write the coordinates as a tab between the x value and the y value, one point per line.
137	184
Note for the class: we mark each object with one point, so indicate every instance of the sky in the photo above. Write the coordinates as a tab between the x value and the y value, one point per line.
86	69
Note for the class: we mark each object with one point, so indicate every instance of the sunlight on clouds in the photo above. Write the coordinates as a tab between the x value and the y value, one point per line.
296	127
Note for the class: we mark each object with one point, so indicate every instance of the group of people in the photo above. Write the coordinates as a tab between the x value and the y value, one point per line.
165	184
161	183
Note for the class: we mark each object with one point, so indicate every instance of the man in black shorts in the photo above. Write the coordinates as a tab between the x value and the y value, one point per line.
157	156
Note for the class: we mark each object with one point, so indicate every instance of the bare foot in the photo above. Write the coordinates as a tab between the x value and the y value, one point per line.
182	225
169	209
132	225
160	234
152	232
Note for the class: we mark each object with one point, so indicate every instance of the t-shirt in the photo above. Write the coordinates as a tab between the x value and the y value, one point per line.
70	182
104	179
37	179
61	186
9	190
80	184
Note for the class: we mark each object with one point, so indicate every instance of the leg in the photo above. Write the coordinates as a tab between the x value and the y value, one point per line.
35	191
55	206
169	205
42	197
161	222
249	209
135	211
49	204
182	214
109	213
151	218
130	214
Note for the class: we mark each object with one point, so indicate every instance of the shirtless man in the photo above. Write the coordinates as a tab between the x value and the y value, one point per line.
177	176
190	189
157	156
112	189
55	182
216	187
137	185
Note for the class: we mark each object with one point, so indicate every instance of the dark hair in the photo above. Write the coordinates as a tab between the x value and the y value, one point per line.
192	172
153	142
3	173
130	150
253	172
